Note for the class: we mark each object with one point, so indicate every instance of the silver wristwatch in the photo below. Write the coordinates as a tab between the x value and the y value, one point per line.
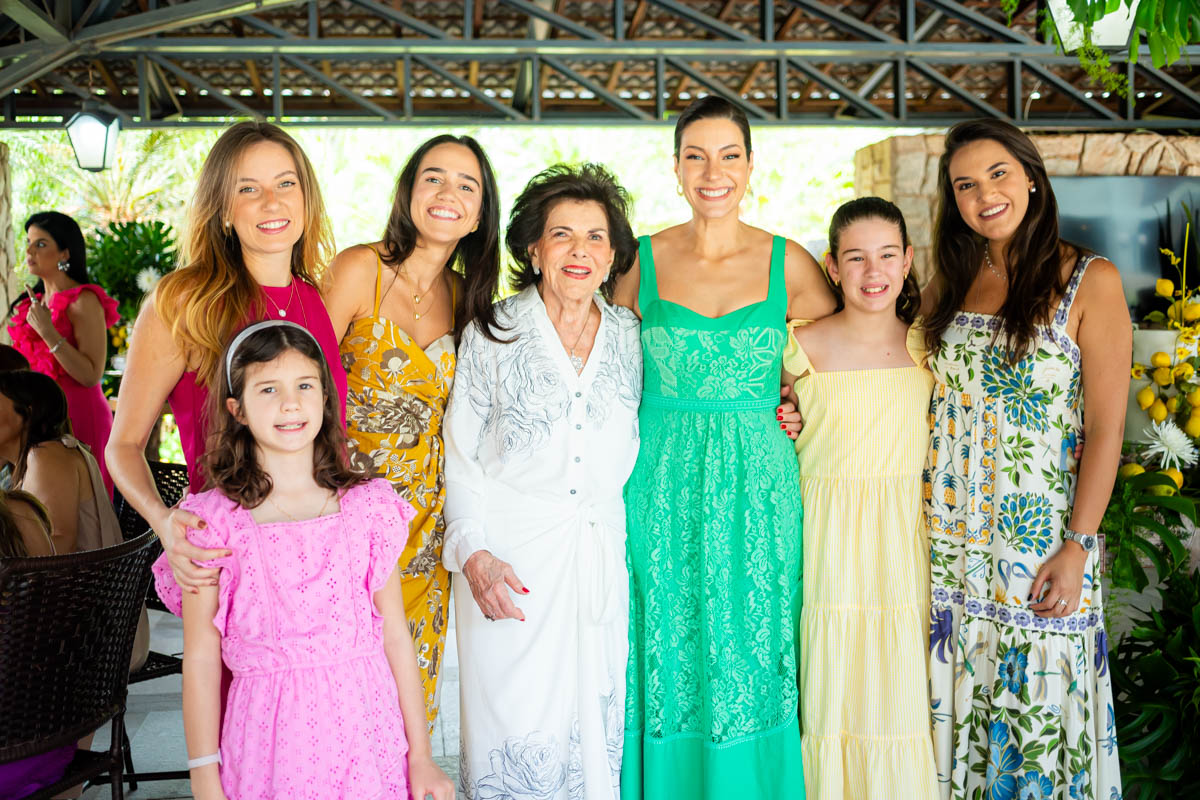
1086	541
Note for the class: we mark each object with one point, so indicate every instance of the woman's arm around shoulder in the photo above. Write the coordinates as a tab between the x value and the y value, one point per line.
809	296
424	776
52	476
154	366
350	291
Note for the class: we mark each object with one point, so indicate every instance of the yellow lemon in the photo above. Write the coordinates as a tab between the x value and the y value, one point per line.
1164	287
1131	469
1192	427
1184	370
1160	490
1174	475
1191	312
1145	398
1194	397
1162	376
1160	359
1157	411
1172	404
1138	371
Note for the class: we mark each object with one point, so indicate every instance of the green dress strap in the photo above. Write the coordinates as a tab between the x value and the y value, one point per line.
648	282
777	299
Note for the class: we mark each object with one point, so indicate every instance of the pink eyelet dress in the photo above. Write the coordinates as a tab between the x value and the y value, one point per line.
313	712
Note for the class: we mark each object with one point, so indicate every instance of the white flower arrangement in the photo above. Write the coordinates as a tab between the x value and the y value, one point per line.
147	278
1170	445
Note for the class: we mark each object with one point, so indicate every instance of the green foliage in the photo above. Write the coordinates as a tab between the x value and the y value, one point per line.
122	250
1138	510
1156	672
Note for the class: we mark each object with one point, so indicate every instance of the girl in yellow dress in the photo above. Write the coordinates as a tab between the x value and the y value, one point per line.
863	393
399	306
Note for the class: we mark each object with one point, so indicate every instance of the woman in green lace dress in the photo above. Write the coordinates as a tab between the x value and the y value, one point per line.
1026	331
714	514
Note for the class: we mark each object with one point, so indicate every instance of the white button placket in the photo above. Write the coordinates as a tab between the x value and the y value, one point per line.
578	416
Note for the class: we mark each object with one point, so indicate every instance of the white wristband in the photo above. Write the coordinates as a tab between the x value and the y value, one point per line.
204	761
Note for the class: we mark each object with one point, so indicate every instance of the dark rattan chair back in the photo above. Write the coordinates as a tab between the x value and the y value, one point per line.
66	634
171	480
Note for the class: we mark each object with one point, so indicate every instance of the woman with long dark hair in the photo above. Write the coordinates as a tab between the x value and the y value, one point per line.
1024	330
399	306
60	325
713	503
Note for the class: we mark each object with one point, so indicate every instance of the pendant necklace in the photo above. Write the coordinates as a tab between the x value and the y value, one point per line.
294	519
577	361
282	311
417	298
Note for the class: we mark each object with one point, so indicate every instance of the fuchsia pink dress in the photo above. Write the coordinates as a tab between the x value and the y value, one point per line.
91	418
313	712
189	398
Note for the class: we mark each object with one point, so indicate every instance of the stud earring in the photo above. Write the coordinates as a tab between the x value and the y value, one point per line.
537	270
475	227
1033	190
679	189
64	265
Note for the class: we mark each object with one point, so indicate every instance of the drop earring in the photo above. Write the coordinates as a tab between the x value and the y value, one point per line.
679	189
64	265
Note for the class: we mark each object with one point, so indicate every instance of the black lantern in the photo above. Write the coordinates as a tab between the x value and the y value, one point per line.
93	135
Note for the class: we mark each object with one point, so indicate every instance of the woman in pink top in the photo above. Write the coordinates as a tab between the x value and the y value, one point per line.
256	241
60	324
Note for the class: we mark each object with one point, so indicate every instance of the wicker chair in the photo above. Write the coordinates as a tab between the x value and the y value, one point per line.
171	480
67	625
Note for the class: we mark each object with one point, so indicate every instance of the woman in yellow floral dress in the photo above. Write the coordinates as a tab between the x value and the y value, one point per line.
399	305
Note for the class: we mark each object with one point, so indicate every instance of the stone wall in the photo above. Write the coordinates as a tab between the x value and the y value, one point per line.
10	286
903	169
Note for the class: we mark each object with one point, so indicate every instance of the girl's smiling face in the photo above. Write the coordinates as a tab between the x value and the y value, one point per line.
447	194
282	403
872	263
990	188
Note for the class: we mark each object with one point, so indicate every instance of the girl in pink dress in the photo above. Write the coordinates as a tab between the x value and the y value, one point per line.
308	613
60	326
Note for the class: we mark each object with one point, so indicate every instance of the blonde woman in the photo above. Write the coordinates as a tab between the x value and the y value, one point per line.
255	242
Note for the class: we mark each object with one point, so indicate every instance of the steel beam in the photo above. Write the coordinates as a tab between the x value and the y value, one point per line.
491	102
979	21
548	16
214	92
195	12
953	88
1070	91
32	67
1181	90
400	18
843	21
716	87
354	97
597	89
855	99
34	20
696	17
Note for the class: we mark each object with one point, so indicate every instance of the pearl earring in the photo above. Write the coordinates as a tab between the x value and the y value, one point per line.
537	270
1033	190
64	265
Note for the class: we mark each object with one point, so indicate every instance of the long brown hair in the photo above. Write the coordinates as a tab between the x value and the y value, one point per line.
212	293
12	544
476	256
1033	255
231	458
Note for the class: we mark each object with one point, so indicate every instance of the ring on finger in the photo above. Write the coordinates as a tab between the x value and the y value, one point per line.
1062	601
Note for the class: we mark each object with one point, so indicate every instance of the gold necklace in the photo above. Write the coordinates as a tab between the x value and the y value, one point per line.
987	258
319	514
291	294
417	298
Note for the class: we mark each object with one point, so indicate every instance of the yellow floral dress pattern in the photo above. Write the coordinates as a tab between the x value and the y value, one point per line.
394	410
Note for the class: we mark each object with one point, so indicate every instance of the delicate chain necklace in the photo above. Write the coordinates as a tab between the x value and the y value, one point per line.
282	311
577	361
320	513
987	259
417	298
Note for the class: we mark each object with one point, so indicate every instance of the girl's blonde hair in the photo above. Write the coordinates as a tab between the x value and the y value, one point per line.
212	294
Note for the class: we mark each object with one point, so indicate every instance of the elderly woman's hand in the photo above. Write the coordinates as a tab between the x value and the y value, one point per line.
490	579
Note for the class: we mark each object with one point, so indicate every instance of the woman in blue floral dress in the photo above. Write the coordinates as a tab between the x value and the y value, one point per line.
1023	329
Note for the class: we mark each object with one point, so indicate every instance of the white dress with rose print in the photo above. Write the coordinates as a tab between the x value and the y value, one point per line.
536	460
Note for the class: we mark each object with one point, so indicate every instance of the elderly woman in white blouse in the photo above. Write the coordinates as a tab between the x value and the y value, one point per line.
541	433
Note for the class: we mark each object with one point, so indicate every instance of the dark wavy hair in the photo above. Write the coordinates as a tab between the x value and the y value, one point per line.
12	544
711	107
231	461
1033	255
477	256
42	407
580	182
908	304
67	236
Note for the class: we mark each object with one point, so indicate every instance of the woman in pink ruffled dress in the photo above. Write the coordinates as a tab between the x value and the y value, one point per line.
60	325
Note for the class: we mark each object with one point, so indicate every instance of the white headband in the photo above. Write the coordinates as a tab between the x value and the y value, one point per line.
255	328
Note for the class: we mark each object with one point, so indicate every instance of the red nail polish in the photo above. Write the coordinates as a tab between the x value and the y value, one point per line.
782	426
526	591
779	417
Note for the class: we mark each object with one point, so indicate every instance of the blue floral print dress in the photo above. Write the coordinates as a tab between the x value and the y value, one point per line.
1022	704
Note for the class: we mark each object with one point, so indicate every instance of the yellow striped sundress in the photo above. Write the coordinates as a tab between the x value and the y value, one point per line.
864	692
394	409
